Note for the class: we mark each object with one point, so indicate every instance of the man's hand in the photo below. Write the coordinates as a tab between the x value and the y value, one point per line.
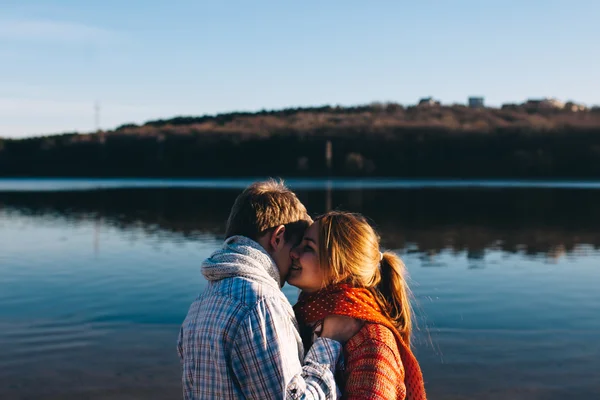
340	328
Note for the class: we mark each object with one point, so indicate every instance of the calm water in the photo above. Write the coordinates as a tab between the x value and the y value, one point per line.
96	277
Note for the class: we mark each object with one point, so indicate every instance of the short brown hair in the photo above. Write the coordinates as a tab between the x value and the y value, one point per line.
265	205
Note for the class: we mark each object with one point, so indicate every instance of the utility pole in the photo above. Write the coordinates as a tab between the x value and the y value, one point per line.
328	156
97	115
328	164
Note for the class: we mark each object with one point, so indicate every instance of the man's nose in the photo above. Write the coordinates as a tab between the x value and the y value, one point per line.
294	253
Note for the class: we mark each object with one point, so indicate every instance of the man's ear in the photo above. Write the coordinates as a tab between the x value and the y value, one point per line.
277	238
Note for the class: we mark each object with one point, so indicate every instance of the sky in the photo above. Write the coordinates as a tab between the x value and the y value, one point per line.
145	59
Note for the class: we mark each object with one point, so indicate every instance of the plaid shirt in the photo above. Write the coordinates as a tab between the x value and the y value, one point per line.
239	340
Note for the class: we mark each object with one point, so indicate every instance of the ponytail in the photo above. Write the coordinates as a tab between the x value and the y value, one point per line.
394	294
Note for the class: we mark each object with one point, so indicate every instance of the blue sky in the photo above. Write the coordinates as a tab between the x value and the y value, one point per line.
151	59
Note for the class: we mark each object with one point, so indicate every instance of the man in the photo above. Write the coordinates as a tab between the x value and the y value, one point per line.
240	338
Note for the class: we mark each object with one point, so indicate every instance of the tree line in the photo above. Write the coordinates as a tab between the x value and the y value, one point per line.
385	140
529	221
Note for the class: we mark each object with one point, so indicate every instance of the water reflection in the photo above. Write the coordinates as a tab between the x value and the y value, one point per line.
108	275
550	222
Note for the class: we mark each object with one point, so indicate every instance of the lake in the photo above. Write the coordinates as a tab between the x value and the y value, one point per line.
96	277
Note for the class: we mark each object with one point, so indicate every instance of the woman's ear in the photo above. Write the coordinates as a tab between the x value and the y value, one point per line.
277	239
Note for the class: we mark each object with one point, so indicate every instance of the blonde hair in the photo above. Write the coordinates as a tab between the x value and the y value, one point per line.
349	253
265	205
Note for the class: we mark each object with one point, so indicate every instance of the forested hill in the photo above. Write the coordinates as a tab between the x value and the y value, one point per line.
374	140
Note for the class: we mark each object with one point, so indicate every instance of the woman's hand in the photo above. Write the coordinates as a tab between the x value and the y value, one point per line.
340	328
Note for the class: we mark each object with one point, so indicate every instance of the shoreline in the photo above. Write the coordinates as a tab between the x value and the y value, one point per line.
41	184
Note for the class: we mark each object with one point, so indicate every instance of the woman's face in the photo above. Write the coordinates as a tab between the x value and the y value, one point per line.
306	272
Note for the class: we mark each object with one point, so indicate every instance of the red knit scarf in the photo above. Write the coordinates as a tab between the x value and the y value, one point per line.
360	303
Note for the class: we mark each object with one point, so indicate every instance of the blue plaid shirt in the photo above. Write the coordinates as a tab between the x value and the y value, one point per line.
240	340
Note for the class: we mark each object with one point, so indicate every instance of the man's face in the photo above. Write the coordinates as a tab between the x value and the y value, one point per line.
283	259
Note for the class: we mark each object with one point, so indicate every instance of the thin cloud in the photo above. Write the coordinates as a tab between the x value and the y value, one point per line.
54	31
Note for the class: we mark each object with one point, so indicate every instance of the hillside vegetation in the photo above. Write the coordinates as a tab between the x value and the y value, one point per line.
372	140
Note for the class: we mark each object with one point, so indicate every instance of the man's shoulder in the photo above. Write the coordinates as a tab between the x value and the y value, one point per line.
226	302
233	297
241	290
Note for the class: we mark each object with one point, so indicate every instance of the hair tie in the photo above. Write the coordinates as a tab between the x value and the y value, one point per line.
380	256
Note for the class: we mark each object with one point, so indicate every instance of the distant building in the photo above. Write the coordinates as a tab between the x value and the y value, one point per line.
546	104
428	101
476	102
574	107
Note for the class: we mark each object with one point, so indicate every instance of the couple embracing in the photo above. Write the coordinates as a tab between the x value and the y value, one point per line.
349	333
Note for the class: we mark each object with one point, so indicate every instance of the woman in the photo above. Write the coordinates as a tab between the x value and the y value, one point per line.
340	270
